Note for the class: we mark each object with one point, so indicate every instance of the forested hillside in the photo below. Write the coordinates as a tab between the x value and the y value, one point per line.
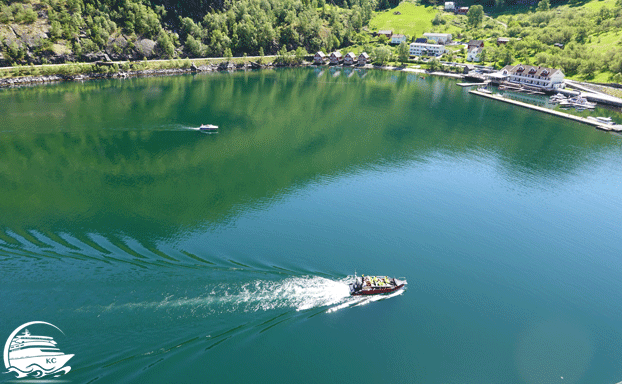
35	31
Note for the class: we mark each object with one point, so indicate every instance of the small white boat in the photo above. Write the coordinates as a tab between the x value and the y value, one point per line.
558	98
602	120
208	128
578	102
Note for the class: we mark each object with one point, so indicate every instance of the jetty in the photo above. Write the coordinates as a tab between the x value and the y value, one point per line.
579	119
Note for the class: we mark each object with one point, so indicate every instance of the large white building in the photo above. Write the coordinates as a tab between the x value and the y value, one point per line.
424	49
438	38
534	76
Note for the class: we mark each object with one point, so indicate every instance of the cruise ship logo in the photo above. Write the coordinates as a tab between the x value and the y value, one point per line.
35	356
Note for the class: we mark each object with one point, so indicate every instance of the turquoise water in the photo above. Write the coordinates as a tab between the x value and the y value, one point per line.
165	254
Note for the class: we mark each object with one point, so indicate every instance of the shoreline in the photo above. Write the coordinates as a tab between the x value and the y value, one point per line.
15	82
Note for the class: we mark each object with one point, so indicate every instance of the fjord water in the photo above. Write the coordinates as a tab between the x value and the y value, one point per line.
167	255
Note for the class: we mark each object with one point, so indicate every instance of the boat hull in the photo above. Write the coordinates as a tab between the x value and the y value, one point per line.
376	291
374	285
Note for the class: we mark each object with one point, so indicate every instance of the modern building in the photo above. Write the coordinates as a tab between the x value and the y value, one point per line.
502	40
450	6
530	75
438	38
462	11
397	38
336	57
319	58
350	58
424	49
363	58
385	32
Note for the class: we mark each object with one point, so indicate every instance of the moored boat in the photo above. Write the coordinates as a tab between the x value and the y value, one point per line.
602	120
374	285
578	102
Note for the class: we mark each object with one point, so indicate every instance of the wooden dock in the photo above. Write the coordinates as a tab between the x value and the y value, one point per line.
578	119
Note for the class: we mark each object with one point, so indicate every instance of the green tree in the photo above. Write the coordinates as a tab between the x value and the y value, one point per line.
435	65
475	15
543	6
403	52
194	47
382	55
438	19
165	44
300	54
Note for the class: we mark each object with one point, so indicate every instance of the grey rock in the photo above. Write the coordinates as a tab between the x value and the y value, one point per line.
145	47
225	66
98	56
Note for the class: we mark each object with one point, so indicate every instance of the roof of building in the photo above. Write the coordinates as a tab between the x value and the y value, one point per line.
503	39
421	40
320	53
398	36
531	70
385	32
364	54
336	53
351	54
427	45
476	42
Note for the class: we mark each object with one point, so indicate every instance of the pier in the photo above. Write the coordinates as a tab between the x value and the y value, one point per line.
578	119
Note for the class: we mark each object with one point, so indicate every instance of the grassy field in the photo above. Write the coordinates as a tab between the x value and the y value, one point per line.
413	21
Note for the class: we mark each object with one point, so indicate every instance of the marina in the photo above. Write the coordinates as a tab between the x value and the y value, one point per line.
593	122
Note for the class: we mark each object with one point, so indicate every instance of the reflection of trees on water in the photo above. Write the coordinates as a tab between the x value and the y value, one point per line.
112	156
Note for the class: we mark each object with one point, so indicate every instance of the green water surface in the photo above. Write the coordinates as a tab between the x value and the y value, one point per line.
169	255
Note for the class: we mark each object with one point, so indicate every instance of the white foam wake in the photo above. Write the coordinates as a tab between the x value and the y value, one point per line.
300	293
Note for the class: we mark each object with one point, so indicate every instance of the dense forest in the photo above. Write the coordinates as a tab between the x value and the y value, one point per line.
164	28
581	37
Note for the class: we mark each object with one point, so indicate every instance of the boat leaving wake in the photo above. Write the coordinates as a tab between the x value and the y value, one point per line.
299	293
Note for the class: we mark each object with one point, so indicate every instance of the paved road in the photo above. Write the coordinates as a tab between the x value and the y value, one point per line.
150	61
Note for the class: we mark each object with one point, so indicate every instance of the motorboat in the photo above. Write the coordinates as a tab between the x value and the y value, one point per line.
208	128
557	98
375	285
578	102
602	120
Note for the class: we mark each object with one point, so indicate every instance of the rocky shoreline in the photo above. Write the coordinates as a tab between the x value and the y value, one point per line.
224	66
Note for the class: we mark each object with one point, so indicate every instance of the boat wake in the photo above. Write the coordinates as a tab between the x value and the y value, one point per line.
299	293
